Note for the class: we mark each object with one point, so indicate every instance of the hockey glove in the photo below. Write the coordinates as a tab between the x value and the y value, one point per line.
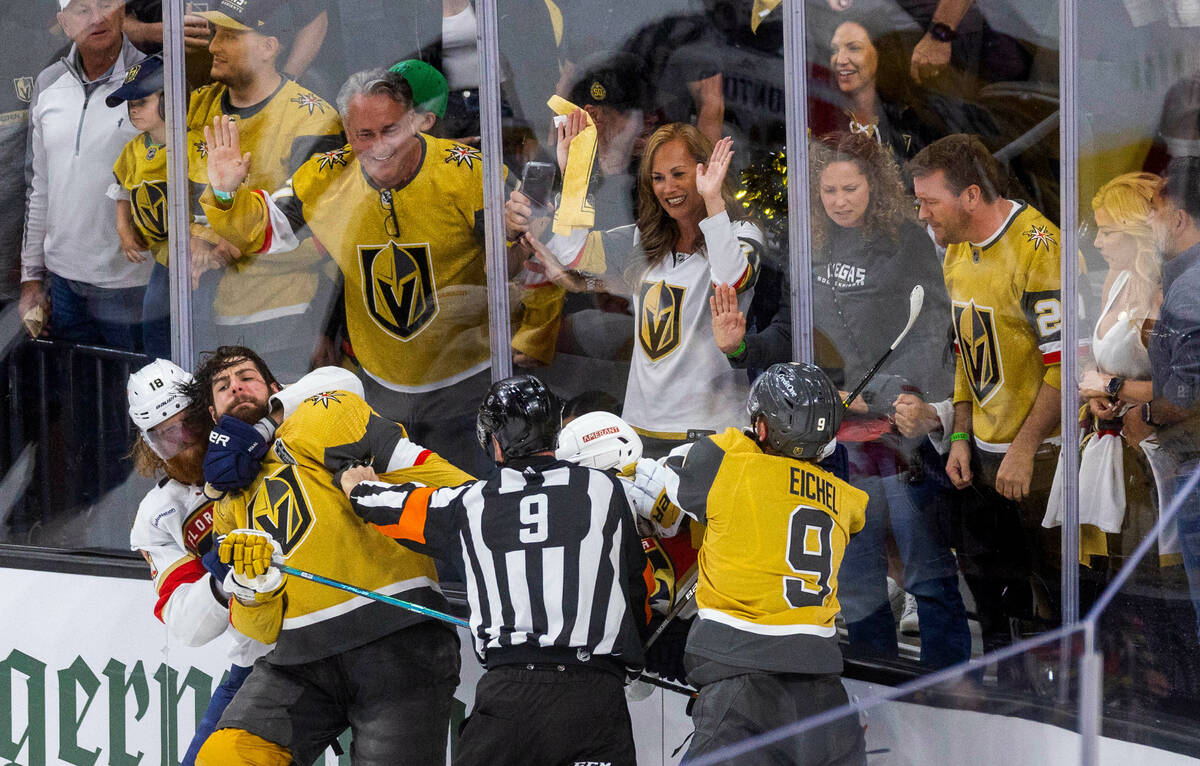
235	452
665	655
252	577
653	486
213	564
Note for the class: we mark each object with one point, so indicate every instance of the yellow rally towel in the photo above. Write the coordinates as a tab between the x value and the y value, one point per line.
574	210
762	9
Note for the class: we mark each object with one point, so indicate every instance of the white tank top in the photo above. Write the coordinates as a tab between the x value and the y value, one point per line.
460	56
1120	351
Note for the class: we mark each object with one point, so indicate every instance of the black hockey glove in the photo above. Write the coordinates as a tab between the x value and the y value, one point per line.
235	452
665	655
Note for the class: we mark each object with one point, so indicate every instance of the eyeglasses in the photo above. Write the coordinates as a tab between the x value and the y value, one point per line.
390	222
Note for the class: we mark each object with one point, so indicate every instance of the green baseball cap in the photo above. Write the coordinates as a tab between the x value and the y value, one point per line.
429	87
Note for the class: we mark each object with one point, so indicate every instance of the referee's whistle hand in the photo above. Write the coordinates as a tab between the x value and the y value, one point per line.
352	477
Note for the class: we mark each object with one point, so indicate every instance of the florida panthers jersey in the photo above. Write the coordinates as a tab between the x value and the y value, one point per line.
678	379
1007	312
296	501
411	258
280	133
777	529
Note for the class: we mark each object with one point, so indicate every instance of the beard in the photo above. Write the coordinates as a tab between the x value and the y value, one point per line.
188	466
252	414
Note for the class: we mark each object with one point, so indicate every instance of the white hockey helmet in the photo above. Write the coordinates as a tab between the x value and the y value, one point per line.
599	440
154	393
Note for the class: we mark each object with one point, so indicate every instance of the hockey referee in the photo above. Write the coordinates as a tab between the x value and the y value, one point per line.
556	581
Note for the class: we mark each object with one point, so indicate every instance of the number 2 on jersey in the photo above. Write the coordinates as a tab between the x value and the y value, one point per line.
535	518
809	556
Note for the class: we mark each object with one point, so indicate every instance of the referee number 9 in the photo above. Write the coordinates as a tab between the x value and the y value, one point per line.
535	517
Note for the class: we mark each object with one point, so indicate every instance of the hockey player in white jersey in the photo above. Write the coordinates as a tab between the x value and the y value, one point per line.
173	528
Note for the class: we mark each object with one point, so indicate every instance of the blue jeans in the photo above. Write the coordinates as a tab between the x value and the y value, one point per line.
101	316
216	706
156	314
1188	520
916	514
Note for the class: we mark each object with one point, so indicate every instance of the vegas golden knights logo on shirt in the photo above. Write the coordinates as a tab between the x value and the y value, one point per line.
975	328
280	508
398	287
149	202
24	88
659	322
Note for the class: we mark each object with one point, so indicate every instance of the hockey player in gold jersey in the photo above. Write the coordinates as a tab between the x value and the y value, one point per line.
339	660
401	213
763	649
1002	275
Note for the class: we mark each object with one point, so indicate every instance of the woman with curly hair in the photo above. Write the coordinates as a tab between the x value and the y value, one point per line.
868	255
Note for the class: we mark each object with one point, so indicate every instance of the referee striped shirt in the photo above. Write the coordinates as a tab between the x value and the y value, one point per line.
554	565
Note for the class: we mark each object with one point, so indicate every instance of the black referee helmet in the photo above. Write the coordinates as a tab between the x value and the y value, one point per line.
801	408
523	415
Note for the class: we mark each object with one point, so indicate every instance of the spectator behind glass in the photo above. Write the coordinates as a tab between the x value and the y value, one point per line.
71	260
859	58
1002	275
680	384
1175	347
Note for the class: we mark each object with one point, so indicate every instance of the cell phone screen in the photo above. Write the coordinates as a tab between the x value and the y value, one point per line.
537	182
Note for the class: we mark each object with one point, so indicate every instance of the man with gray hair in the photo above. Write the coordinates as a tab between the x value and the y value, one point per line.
401	212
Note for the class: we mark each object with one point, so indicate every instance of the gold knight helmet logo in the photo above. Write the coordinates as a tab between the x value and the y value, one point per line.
149	202
659	320
24	88
398	287
975	330
280	508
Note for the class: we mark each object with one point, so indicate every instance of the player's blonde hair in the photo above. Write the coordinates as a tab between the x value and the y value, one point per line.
1128	200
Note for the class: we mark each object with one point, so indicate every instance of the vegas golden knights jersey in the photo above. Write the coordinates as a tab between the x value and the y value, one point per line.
1007	312
777	529
280	133
411	258
296	501
141	169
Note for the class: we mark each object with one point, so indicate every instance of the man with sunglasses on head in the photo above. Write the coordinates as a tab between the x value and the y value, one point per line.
402	214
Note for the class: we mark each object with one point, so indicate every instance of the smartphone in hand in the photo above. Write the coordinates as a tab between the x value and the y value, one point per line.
537	183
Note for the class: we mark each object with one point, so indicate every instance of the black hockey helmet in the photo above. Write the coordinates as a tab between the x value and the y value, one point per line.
523	415
801	407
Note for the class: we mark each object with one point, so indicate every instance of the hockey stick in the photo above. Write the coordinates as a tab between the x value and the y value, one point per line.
915	300
434	613
690	580
282	567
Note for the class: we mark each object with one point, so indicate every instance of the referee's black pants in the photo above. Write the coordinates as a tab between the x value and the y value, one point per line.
547	715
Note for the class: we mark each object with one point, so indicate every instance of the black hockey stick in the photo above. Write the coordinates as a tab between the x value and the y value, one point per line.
915	300
691	579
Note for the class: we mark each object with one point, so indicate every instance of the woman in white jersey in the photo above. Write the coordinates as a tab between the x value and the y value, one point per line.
681	385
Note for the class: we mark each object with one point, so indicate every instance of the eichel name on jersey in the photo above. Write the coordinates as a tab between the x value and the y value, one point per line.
554	565
411	257
1007	312
678	379
776	532
280	132
295	500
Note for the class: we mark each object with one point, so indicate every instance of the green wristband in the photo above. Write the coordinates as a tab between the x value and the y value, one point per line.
223	196
740	350
960	436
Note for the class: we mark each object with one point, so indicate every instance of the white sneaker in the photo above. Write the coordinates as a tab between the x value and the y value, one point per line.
896	596
908	620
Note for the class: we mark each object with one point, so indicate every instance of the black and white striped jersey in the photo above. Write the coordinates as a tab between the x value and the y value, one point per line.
554	565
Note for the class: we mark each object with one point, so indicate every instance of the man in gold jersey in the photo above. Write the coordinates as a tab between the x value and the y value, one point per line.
1002	275
401	212
763	650
276	304
339	660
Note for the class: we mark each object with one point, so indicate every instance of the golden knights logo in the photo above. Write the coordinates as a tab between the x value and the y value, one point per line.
132	73
398	287
659	319
975	329
459	154
24	88
309	101
280	508
1039	236
149	202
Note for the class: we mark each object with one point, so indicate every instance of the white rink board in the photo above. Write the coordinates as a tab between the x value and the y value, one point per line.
78	648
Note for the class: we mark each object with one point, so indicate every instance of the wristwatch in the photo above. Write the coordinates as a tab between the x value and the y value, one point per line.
1113	387
943	33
